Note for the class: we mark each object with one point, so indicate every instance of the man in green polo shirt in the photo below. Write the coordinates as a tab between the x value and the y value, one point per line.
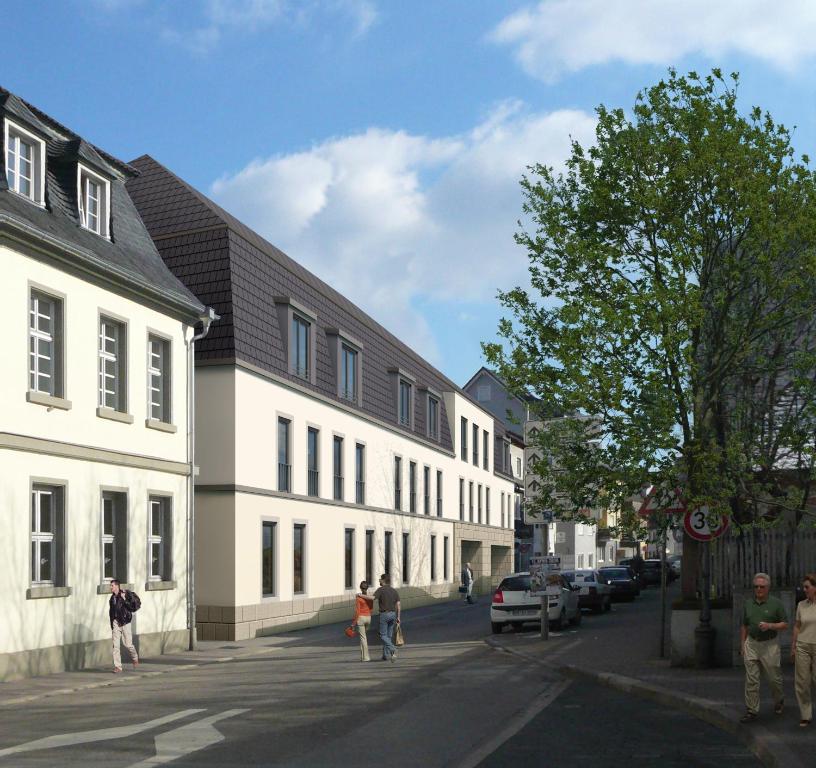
762	617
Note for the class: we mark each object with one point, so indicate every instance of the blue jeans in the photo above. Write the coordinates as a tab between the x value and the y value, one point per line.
387	622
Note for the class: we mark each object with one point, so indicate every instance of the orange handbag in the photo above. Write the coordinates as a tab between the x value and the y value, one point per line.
350	631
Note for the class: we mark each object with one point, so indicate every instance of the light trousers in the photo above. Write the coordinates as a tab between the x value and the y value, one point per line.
363	623
763	657
805	678
122	633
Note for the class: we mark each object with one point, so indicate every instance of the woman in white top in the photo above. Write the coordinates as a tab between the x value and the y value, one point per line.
803	649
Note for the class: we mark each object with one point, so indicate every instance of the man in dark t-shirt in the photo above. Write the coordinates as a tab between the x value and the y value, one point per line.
389	601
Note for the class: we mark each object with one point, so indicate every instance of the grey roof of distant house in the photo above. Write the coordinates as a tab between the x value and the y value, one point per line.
129	259
235	270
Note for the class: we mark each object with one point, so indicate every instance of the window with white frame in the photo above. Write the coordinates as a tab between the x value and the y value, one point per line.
159	540
301	347
114	536
25	163
112	364
158	378
45	344
47	536
93	193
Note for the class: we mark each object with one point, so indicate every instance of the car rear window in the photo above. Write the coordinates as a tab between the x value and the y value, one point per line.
616	573
587	576
515	584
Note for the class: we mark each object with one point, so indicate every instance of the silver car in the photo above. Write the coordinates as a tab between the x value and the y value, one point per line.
513	604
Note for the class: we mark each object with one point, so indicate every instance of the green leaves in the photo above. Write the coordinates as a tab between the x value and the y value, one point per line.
672	266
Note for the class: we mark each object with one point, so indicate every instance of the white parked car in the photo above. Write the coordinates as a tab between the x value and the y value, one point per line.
513	605
595	593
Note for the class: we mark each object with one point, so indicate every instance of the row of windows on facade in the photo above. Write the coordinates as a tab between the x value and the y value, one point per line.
485	445
348	364
430	504
48	540
351	572
25	174
47	337
474	515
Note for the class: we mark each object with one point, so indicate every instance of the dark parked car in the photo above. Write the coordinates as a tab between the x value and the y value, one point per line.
622	580
651	572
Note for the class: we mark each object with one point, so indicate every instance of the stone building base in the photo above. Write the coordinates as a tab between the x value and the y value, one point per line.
96	653
247	621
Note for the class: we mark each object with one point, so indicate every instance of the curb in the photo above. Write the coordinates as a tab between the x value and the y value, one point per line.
769	748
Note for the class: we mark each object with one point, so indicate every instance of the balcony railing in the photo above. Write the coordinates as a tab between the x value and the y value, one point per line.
338	488
314	482
284	477
360	492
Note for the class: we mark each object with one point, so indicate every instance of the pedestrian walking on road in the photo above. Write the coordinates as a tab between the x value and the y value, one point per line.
467	583
763	616
121	607
362	618
389	602
803	649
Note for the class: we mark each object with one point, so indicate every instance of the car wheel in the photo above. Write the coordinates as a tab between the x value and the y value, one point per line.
598	608
561	620
497	627
608	604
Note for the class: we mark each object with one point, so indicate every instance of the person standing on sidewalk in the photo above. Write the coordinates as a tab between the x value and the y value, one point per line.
467	583
762	617
120	611
389	601
362	619
803	649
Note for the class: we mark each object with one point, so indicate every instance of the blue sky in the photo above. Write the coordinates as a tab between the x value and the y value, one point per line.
380	143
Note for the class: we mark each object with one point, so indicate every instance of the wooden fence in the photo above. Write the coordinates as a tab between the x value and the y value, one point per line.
786	556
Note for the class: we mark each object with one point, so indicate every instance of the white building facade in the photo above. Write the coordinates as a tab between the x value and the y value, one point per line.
94	461
328	451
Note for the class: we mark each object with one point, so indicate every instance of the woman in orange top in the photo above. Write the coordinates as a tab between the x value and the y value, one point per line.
362	618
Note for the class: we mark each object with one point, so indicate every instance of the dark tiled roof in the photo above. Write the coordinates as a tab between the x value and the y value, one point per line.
130	257
237	272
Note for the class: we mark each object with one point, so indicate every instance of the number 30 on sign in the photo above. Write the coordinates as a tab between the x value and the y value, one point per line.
698	524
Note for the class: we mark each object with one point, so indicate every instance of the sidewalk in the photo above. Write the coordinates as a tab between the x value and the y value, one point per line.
622	650
19	692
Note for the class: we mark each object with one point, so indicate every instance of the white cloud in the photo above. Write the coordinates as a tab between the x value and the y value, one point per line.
556	37
202	27
390	218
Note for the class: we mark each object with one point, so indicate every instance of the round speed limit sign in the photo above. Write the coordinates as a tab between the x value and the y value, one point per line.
700	525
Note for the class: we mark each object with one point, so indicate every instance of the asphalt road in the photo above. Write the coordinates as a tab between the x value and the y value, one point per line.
307	702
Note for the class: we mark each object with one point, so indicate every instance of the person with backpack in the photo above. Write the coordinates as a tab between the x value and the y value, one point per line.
121	607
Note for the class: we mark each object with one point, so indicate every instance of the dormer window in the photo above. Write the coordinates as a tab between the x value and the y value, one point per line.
25	163
297	324
346	355
93	193
403	392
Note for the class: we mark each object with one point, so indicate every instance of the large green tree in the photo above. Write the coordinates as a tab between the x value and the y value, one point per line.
669	325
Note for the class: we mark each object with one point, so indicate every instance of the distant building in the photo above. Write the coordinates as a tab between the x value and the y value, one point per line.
93	406
329	451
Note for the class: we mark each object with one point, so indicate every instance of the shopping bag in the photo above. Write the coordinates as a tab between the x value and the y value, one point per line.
350	631
462	590
399	640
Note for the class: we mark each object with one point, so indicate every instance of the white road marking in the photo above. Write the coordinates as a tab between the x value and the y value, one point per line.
186	739
537	705
103	734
